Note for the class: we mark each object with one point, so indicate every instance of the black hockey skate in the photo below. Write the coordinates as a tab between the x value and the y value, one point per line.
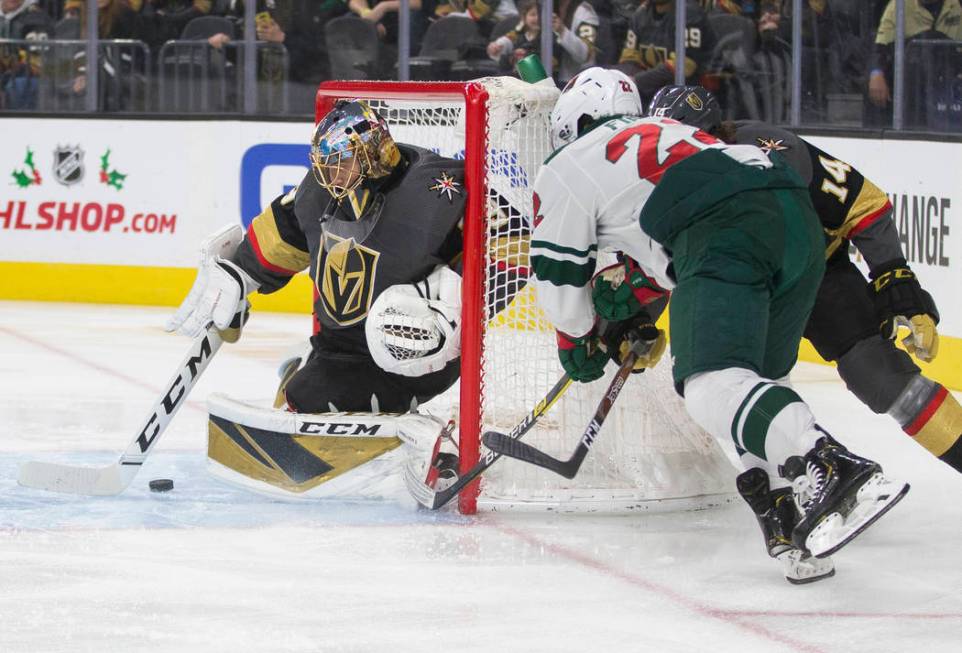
838	494
777	515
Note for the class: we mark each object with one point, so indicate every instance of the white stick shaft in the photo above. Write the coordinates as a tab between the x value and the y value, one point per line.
115	478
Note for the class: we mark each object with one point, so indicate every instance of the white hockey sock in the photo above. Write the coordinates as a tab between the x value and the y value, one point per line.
766	419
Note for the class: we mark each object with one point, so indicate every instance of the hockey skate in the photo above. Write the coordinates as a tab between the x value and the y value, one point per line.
777	515
838	494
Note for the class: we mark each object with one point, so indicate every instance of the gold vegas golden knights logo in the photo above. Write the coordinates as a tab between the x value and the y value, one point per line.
346	282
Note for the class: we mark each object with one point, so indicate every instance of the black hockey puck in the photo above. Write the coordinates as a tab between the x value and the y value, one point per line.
161	485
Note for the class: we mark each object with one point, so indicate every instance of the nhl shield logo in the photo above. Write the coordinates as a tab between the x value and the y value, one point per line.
68	165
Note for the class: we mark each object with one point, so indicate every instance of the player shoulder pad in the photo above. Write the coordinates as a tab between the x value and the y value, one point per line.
768	137
776	139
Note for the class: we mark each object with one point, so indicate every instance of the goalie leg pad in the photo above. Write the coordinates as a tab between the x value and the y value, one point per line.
311	455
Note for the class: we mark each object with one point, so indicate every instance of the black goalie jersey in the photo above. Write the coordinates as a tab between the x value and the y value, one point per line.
410	223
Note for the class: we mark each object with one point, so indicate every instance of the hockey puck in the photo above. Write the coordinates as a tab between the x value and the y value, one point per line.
161	485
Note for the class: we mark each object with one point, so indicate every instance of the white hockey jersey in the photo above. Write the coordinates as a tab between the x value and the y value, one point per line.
588	197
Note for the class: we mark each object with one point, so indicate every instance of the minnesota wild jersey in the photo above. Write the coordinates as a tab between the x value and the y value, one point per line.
589	197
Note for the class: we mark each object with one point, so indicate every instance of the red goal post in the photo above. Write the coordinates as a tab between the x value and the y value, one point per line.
474	96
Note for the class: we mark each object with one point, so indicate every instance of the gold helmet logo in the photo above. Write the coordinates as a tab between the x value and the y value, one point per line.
695	102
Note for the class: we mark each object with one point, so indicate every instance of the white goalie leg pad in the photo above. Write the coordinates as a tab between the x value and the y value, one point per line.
415	329
303	455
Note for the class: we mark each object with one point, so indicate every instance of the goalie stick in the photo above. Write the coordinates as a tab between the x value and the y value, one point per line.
434	499
114	479
513	448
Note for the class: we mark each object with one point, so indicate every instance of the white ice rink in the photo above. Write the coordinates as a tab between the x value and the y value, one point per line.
211	568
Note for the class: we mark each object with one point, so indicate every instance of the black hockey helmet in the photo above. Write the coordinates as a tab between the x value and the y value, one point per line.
692	105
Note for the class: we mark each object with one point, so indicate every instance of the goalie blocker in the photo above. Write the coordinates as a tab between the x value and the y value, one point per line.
315	455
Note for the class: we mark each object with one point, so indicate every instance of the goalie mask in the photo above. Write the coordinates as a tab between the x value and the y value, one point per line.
692	105
590	95
350	145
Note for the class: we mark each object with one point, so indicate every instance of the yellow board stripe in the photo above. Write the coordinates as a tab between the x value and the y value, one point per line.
152	286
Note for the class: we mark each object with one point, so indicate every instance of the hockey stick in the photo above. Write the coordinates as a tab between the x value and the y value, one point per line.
434	499
114	479
513	448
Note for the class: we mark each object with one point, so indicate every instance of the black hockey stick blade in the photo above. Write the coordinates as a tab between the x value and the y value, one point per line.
435	499
512	448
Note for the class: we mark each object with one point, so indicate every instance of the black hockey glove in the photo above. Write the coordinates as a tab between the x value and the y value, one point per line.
901	302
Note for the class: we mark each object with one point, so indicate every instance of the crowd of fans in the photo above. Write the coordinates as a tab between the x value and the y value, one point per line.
740	49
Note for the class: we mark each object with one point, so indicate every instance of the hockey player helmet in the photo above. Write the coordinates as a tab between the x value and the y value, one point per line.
351	144
692	105
590	95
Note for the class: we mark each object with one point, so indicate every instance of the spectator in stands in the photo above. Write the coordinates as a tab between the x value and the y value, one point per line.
384	13
272	22
737	7
927	68
115	20
485	12
166	19
772	61
20	66
575	29
307	49
649	48
523	40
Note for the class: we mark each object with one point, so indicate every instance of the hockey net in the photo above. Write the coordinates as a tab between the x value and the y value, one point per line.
649	455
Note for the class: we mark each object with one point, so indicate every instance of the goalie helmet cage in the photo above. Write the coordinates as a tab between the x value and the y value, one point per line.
649	455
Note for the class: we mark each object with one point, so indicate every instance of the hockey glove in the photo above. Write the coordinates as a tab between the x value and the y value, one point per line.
901	302
219	293
582	358
620	291
618	345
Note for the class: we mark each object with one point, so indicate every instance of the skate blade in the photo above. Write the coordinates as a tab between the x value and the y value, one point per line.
801	569
835	531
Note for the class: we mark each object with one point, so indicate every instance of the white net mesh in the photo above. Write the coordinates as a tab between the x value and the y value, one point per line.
649	454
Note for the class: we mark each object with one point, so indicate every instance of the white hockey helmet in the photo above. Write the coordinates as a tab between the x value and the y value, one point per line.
591	94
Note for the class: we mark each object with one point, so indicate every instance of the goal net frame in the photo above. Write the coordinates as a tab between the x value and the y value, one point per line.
477	106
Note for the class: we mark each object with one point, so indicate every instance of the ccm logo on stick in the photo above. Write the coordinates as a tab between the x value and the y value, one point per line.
174	394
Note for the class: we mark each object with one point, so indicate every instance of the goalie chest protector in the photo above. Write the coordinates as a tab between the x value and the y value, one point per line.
409	226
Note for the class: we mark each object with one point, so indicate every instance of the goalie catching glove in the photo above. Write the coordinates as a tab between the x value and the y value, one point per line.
621	291
901	302
415	329
219	293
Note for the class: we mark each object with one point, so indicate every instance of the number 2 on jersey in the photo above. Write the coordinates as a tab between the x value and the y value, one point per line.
647	155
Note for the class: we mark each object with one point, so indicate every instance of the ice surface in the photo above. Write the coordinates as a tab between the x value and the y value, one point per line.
208	567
